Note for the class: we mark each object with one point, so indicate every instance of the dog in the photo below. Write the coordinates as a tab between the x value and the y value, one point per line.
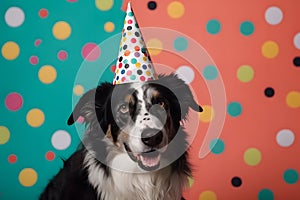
135	146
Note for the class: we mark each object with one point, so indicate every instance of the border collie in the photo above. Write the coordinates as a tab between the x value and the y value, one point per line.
135	147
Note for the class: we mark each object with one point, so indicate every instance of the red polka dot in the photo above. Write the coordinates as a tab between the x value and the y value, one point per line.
12	158
123	79
120	65
137	48
14	101
90	52
43	13
37	42
130	21
113	68
50	156
34	60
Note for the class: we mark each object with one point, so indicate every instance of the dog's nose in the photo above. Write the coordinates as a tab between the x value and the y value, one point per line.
152	137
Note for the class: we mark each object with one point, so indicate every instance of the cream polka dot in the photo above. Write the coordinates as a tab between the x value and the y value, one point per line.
10	50
297	40
104	5
285	138
186	73
14	17
293	99
109	27
61	30
61	140
270	49
208	195
78	90
47	74
176	9
273	15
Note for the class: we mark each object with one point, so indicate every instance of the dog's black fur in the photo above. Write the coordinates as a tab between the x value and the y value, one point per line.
96	106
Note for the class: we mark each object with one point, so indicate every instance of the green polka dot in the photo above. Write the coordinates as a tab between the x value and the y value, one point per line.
245	73
265	194
130	14
133	77
213	26
217	146
210	72
234	109
247	28
291	176
133	60
180	44
125	61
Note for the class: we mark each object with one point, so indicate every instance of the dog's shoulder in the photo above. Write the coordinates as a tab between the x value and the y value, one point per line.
71	182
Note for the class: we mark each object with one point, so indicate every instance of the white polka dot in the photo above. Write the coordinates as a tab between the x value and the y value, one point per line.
285	138
273	15
297	40
186	73
61	140
14	17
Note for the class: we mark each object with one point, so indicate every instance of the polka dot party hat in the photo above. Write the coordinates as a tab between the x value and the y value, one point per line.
134	63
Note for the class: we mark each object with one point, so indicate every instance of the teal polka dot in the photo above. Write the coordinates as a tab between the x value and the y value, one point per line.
234	109
217	146
247	28
291	176
130	14
180	44
133	60
265	194
210	72
133	77
213	26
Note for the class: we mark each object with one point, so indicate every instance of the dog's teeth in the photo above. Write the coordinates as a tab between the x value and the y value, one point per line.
150	161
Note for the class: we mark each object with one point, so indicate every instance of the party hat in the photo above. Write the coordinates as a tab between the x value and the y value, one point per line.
134	63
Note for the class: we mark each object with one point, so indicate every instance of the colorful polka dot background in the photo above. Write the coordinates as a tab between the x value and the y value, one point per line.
251	47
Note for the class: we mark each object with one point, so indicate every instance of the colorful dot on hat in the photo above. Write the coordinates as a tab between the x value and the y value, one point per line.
28	177
213	26
247	28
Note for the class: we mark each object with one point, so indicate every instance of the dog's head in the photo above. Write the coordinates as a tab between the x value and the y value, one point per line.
137	119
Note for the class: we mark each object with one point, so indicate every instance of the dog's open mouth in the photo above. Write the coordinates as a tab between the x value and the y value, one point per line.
148	161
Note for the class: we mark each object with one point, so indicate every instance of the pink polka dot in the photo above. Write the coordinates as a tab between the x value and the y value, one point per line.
130	21
90	52
50	156
34	60
133	40
37	42
13	101
129	73
62	55
123	79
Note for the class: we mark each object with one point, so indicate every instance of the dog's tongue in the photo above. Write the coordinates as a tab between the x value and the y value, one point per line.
150	161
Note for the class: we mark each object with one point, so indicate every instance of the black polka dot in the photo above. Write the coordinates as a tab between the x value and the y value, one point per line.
152	5
125	47
126	66
129	28
139	72
236	181
296	61
120	59
137	34
269	92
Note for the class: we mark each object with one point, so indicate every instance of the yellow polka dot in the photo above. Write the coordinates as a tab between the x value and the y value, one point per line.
138	64
10	50
28	177
4	134
109	27
47	74
104	4
208	113
245	73
35	117
176	9
61	30
154	46
252	156
78	90
208	195
270	49
148	73
293	99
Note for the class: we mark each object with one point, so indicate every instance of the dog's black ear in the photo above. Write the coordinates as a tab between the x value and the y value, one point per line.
92	104
182	92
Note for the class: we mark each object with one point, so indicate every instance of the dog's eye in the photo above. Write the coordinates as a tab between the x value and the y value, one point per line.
124	108
161	103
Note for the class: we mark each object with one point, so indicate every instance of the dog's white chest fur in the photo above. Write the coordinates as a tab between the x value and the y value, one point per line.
158	185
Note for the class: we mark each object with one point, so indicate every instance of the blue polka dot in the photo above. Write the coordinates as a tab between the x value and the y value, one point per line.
123	71
213	26
234	109
265	194
217	146
210	72
144	66
180	44
247	28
